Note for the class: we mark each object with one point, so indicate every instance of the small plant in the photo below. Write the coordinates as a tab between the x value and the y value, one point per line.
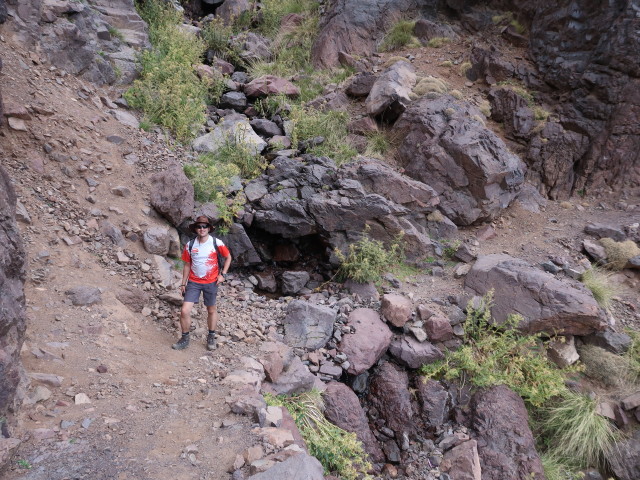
600	284
464	68
338	450
618	253
633	354
217	37
430	84
273	11
447	64
540	113
22	463
377	144
500	355
400	35
146	125
114	32
437	42
577	434
557	469
367	260
613	371
518	27
450	248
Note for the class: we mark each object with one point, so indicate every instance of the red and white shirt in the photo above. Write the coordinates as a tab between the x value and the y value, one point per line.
203	259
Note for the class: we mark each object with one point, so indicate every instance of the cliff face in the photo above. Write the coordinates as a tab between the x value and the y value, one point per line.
587	52
12	301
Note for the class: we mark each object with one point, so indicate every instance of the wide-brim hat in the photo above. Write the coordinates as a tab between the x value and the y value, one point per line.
200	219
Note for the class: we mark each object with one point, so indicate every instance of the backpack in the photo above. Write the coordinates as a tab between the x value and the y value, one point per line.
215	246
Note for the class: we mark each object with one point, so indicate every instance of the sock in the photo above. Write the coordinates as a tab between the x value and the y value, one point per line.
212	332
185	334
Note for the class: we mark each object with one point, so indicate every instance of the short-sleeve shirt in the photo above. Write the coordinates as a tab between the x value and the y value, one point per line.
204	260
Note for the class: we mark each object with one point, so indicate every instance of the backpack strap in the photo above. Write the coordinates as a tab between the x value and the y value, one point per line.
191	242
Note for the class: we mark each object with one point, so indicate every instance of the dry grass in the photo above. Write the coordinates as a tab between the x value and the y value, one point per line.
613	371
601	286
618	253
430	84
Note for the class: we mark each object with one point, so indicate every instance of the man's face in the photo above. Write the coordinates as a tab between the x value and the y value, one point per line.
202	229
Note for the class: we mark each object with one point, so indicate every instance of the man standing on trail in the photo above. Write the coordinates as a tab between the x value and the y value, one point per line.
201	273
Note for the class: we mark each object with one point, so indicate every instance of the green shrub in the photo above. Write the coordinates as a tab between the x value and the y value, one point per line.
168	91
618	253
557	469
338	450
217	37
633	354
447	63
273	11
114	32
400	35
332	125
377	144
495	356
367	260
464	68
600	284
577	434
540	113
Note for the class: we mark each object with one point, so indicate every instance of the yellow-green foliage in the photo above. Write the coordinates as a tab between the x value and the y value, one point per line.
614	371
367	260
339	451
217	35
272	12
618	253
540	113
430	84
492	356
377	145
519	90
168	91
456	94
437	42
576	433
633	355
391	60
600	284
447	63
332	125
465	67
556	468
400	35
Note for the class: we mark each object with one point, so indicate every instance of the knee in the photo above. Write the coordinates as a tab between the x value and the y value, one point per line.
212	310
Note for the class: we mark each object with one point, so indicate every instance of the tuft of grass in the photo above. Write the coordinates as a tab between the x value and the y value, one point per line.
430	84
377	145
447	63
614	371
633	354
399	35
114	32
339	451
332	126
22	463
437	42
555	468
521	29
217	37
273	11
367	260
495	356
576	433
600	284
540	113
464	68
168	91
619	253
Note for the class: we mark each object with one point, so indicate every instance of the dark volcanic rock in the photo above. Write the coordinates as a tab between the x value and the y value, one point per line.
545	303
505	442
343	409
447	147
308	325
389	394
435	402
172	194
513	111
12	300
368	343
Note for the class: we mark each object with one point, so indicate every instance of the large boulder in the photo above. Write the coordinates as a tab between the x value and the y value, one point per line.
434	401
270	85
625	463
368	341
412	353
297	467
546	303
308	325
447	146
355	26
505	443
242	250
172	194
513	111
343	409
389	95
12	300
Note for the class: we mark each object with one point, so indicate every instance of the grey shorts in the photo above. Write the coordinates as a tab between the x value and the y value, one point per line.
209	292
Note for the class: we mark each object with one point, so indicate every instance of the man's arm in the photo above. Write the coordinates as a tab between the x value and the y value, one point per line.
185	275
225	268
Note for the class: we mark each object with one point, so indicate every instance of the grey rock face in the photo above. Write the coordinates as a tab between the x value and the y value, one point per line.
12	300
84	295
545	303
389	394
298	467
435	402
293	282
389	95
505	442
266	127
447	147
242	250
234	100
355	26
412	353
156	240
308	325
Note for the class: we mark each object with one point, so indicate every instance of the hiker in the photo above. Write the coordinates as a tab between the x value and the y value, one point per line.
201	273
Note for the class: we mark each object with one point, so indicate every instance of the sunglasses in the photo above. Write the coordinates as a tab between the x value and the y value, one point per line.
202	226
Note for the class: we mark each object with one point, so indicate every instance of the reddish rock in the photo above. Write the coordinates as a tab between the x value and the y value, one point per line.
270	85
343	409
396	309
412	353
434	402
462	462
368	343
438	328
389	394
363	126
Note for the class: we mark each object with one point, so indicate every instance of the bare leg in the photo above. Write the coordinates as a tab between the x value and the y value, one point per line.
185	316
212	317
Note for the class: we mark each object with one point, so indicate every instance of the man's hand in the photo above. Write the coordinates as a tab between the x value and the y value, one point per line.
220	277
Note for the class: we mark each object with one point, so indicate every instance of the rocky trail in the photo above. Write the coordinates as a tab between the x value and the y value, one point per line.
107	398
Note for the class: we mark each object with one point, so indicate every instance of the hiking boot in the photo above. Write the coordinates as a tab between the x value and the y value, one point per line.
211	342
182	343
